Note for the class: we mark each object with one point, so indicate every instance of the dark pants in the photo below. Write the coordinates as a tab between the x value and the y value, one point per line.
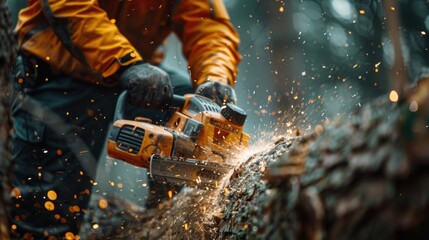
61	124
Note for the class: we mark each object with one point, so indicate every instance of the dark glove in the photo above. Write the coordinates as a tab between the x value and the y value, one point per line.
218	92
148	86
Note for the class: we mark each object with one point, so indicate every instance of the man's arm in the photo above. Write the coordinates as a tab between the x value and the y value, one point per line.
86	31
210	42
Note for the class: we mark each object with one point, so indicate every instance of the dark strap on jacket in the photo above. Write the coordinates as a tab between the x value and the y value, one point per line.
60	27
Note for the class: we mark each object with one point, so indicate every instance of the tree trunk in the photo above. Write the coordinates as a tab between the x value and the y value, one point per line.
6	55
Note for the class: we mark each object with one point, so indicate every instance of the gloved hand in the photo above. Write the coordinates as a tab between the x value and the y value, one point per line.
147	85
218	92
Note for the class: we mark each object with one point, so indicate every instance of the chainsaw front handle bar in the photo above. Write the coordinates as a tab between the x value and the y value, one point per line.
176	101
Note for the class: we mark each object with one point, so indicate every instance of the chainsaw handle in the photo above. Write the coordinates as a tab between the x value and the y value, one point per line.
120	106
176	101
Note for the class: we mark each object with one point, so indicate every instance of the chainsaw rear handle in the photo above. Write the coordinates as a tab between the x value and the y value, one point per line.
176	101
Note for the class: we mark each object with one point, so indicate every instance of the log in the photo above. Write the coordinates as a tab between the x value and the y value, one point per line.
362	176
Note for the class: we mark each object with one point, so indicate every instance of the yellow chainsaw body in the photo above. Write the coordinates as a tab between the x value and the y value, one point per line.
199	130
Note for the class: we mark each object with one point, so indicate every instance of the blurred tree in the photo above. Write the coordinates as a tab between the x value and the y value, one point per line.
342	42
415	36
6	55
14	7
285	57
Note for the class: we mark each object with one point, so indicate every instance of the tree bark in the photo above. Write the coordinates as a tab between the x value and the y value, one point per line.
6	56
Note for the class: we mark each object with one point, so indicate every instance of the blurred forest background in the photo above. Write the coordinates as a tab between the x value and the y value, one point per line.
304	61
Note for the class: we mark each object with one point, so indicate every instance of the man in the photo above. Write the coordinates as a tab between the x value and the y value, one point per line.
76	56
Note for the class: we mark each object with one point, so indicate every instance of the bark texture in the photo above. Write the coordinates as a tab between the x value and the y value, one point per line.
6	56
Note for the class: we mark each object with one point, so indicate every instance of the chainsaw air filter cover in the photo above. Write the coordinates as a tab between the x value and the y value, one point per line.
234	114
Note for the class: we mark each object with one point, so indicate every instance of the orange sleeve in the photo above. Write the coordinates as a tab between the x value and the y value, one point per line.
86	31
210	42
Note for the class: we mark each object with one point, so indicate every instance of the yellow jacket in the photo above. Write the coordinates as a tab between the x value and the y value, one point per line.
92	39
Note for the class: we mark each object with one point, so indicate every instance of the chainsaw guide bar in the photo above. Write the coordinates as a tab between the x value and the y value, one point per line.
188	172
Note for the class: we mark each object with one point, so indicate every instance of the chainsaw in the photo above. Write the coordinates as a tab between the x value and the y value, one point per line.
191	149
